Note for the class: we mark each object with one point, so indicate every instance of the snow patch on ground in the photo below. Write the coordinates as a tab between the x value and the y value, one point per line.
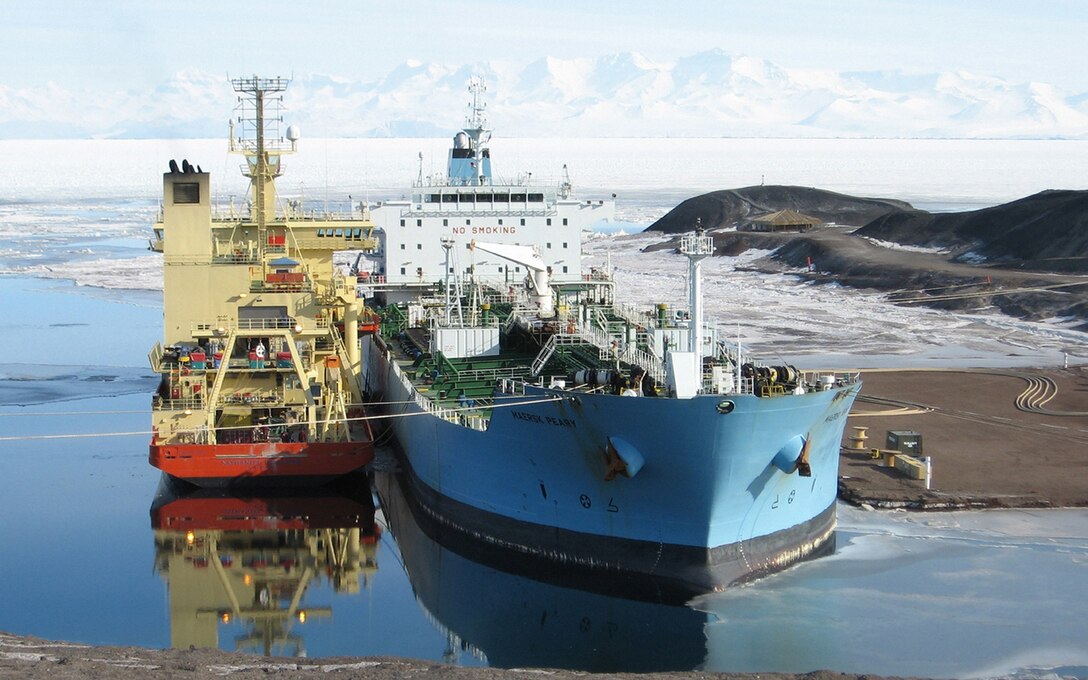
788	318
891	245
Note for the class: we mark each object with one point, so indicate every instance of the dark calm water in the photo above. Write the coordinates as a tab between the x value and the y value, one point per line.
350	572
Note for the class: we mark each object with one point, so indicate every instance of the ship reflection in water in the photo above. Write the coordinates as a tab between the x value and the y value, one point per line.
245	563
511	620
248	561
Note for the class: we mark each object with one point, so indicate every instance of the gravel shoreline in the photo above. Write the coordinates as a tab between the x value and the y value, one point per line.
30	658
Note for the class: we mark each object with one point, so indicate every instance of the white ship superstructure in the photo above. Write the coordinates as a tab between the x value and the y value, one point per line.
466	204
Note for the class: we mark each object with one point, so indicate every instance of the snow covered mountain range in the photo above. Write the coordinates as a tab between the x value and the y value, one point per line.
708	94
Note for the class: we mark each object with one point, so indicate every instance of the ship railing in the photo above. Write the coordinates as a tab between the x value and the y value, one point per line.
236	257
475	211
158	403
280	322
609	349
299	214
490	373
510	386
251	398
823	380
280	286
634	315
459	416
223	325
725	382
328	239
647	361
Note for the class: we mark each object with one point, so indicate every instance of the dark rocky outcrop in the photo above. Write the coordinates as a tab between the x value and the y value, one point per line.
1047	231
732	207
1026	258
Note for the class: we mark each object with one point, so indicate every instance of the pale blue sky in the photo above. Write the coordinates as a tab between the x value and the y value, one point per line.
131	44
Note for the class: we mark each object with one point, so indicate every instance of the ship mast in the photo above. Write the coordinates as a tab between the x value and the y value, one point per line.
259	115
476	128
696	247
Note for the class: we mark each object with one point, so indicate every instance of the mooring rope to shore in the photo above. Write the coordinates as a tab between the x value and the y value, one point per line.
376	417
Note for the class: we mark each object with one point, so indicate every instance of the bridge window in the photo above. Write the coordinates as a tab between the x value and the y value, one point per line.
517	198
449	198
536	198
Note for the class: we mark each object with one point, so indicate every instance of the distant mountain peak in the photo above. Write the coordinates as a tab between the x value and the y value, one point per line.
625	94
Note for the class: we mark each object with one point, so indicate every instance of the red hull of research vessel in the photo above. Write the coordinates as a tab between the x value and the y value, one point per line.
219	464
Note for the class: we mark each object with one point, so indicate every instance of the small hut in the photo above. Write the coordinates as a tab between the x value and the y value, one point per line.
783	220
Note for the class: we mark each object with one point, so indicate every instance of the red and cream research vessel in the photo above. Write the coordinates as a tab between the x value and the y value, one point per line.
260	361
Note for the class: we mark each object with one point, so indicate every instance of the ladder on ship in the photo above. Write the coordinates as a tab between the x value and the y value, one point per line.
542	357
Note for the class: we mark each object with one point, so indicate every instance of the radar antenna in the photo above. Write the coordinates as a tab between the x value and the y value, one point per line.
476	119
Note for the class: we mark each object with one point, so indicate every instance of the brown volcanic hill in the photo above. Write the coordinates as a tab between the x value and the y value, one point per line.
1047	231
730	207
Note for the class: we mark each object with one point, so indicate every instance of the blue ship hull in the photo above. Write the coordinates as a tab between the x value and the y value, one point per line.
535	618
713	505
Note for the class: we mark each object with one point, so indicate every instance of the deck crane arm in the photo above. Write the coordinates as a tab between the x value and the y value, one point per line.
355	267
540	273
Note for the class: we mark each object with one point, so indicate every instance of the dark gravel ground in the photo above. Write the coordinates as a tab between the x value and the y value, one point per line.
986	452
34	659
